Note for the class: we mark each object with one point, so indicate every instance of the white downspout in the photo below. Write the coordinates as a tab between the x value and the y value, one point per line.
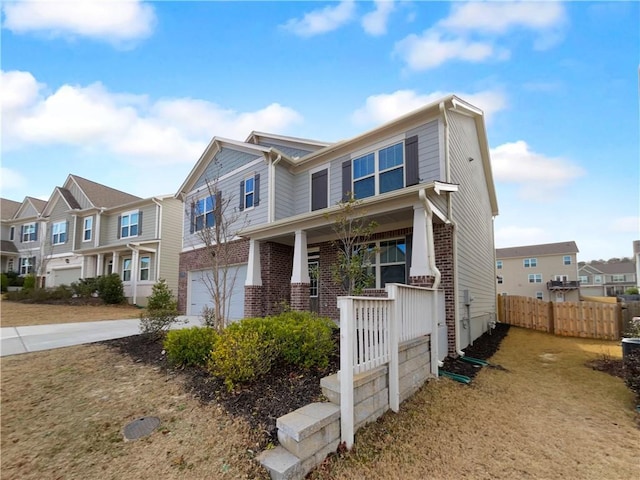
158	254
447	169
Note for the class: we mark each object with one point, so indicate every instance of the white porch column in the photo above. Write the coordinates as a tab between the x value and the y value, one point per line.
300	272
420	264
116	263
99	264
254	276
134	275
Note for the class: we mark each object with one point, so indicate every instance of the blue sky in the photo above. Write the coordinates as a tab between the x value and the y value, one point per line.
128	94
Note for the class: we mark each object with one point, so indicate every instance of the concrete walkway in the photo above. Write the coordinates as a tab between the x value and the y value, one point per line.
15	340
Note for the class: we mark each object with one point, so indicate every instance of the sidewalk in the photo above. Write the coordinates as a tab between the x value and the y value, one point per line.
15	340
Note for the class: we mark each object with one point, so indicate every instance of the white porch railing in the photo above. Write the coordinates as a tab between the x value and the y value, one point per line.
371	330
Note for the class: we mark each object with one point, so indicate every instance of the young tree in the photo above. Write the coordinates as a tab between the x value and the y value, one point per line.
353	232
216	222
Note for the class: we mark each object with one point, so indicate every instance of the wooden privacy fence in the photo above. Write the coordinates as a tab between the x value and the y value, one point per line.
572	319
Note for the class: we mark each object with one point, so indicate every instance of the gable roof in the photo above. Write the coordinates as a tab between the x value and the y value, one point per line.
35	203
613	268
66	196
100	195
7	246
8	208
256	137
559	248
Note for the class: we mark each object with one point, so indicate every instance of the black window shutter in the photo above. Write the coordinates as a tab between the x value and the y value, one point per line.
412	175
119	225
36	232
192	220
319	190
66	230
32	262
346	181
256	190
139	222
21	233
242	195
217	208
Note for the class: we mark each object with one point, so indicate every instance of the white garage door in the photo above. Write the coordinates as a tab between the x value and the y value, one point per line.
66	276
199	294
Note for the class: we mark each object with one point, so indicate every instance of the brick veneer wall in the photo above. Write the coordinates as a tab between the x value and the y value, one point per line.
300	299
276	262
443	236
199	259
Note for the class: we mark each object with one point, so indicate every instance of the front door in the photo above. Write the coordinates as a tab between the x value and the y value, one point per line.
314	275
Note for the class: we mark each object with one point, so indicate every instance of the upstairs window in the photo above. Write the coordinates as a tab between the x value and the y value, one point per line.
59	233
12	232
203	213
535	278
129	224
584	279
617	278
26	265
29	233
500	280
250	192
379	172
87	229
499	264
566	259
597	279
530	262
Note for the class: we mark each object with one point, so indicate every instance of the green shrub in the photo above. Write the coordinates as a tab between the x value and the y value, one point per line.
161	297
190	346
86	287
304	339
29	282
4	282
15	280
632	371
161	311
111	289
242	353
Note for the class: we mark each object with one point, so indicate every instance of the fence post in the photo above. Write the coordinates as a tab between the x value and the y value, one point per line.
394	335
552	322
347	332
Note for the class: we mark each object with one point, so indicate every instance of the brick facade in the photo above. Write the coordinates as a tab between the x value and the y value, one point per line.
425	281
253	300
443	239
300	299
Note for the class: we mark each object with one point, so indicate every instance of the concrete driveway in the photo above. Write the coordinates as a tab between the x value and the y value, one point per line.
15	340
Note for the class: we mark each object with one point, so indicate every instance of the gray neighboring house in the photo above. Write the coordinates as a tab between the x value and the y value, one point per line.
425	178
87	229
607	279
547	272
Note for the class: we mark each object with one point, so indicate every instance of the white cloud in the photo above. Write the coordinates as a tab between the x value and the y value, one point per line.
375	22
500	17
117	22
322	20
91	117
539	176
626	225
513	236
11	180
388	106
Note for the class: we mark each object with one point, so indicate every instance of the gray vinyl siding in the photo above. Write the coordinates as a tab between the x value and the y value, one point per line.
59	214
229	188
474	223
224	162
109	226
291	151
428	151
285	200
301	193
169	250
79	196
79	235
335	180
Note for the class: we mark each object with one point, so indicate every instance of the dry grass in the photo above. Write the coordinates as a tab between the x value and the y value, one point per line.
63	412
548	417
16	314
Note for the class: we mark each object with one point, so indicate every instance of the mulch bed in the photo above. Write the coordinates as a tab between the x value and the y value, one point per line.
284	389
482	348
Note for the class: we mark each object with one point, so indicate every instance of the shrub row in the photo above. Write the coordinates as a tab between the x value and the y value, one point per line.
249	348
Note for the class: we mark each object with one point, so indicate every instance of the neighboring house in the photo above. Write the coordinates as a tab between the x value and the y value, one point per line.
88	229
607	279
22	233
548	272
425	178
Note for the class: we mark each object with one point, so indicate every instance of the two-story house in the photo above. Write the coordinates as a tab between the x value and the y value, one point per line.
547	272
425	179
606	279
87	229
23	230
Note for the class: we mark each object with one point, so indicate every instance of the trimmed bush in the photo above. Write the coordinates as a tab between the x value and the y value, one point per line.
86	287
29	282
242	352
190	346
161	311
4	282
111	289
161	297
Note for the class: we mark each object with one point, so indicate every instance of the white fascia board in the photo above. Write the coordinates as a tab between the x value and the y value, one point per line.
284	138
445	187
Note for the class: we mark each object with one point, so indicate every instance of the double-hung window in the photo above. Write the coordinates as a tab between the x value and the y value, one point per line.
59	233
387	262
87	229
26	265
145	264
530	262
379	172
29	233
584	279
566	259
597	279
130	224
617	278
126	270
203	214
535	278
249	192
499	264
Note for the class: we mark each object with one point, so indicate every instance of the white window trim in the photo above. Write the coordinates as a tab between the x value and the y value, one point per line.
53	233
129	214
244	200
84	229
534	277
203	214
597	279
130	269
499	264
140	269
24	227
564	260
378	266
376	167
540	295
524	264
